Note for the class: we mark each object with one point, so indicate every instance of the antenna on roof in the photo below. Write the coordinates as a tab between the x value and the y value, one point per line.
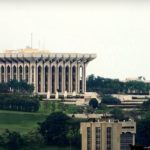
31	41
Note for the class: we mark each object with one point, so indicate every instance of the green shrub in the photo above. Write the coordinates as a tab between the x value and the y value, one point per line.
110	100
93	102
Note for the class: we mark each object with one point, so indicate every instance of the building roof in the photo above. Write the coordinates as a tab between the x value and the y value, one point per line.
29	54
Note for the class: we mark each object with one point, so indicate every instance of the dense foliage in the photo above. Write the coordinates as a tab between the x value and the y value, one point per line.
136	87
18	103
55	128
93	102
59	129
143	131
119	114
13	86
110	100
146	105
114	86
105	85
15	141
11	140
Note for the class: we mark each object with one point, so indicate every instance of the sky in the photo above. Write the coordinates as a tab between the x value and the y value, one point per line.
118	31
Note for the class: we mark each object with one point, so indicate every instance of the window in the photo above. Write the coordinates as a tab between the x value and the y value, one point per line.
108	138
89	138
98	138
126	139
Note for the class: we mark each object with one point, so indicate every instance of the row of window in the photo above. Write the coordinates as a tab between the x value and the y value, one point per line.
39	77
125	139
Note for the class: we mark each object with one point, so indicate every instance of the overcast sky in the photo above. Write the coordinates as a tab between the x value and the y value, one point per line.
117	31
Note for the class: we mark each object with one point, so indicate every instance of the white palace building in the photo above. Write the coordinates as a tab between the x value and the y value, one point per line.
49	72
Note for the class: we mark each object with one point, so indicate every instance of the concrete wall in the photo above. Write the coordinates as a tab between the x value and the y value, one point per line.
129	97
88	116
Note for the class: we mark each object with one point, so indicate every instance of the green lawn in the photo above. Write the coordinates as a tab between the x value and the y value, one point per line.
25	122
19	121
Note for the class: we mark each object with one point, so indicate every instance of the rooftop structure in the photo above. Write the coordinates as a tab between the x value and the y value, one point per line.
26	50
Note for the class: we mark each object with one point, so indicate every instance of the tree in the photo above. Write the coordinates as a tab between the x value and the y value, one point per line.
136	86
4	88
30	88
143	131
146	105
52	107
19	103
33	140
46	105
118	114
94	103
13	84
21	87
12	140
74	130
104	85
103	107
110	100
74	126
62	107
55	128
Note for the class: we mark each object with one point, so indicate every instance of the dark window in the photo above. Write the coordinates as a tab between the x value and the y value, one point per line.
108	138
126	139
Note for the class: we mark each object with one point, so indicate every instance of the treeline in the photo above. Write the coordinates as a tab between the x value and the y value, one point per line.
115	86
13	86
19	103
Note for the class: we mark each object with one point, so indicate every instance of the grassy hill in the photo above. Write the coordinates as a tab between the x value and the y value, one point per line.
20	121
25	122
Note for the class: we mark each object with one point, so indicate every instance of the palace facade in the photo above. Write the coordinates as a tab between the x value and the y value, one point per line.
49	72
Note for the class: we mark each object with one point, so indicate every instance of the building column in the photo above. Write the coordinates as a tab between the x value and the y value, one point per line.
0	74
62	79
11	70
30	73
18	74
55	79
93	137
51	74
71	79
23	72
133	139
35	78
69	82
49	79
83	78
5	73
64	68
78	79
43	83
